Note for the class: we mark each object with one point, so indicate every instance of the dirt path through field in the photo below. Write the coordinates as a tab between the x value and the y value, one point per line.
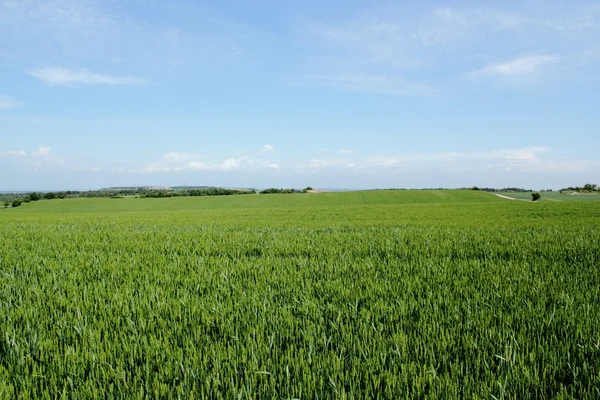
505	197
510	198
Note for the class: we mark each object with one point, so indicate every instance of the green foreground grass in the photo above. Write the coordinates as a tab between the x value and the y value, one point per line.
391	294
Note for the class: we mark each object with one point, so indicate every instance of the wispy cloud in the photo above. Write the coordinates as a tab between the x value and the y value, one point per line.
142	36
42	151
35	160
176	157
13	153
385	84
519	66
267	148
62	76
387	50
528	159
345	151
8	103
317	164
180	161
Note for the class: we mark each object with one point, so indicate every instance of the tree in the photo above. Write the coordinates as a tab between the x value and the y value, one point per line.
535	196
6	203
16	203
34	196
475	188
588	187
308	188
49	196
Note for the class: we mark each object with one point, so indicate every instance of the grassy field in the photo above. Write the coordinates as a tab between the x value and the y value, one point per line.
301	200
555	196
382	294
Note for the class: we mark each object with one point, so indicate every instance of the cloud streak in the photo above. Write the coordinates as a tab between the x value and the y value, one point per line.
519	66
528	159
42	151
13	153
345	151
149	36
181	161
8	103
55	76
386	50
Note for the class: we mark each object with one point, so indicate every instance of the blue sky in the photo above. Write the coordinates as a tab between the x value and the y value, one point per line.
336	94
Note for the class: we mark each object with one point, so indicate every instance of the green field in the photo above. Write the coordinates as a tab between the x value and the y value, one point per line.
555	196
377	294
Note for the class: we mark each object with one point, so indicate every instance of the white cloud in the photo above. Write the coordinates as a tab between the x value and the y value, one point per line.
41	152
157	167
99	31
519	66
8	103
267	148
345	151
230	163
240	163
13	153
317	163
175	162
55	76
527	159
201	165
273	166
381	161
37	160
528	153
384	49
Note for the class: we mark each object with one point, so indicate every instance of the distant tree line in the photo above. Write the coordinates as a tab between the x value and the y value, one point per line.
16	199
280	191
587	188
285	191
194	193
496	190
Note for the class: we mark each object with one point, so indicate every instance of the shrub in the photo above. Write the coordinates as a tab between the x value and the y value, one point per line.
34	196
535	196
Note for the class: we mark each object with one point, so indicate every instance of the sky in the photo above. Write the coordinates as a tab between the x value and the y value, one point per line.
330	94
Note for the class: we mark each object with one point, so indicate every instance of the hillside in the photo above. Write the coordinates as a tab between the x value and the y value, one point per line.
300	200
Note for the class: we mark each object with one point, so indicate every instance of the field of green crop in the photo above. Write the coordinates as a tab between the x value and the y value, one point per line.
383	294
555	196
